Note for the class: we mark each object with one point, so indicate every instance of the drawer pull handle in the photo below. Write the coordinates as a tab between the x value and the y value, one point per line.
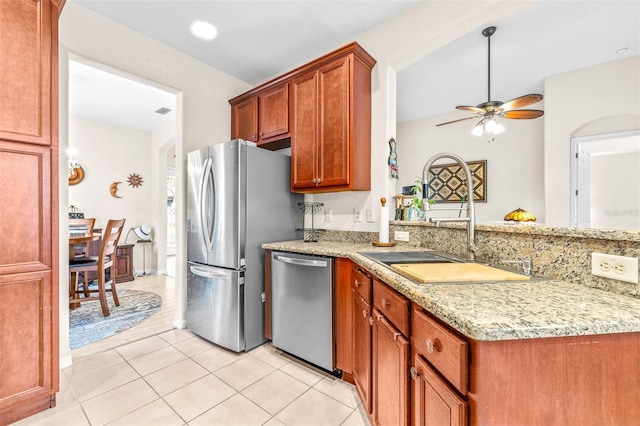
357	283
414	373
364	313
370	321
431	345
385	303
396	335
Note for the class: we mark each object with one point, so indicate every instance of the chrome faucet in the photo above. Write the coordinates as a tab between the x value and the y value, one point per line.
470	220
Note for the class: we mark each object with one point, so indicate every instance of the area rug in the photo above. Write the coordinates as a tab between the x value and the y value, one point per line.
88	325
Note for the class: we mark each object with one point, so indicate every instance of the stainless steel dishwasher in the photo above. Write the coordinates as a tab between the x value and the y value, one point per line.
302	306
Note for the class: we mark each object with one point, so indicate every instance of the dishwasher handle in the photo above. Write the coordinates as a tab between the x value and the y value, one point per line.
301	262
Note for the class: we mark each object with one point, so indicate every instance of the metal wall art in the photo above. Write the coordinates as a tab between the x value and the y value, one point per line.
448	182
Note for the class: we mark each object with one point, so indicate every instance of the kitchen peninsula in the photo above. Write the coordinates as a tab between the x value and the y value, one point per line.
545	351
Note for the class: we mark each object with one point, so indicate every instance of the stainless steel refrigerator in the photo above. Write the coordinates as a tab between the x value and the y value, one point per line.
238	197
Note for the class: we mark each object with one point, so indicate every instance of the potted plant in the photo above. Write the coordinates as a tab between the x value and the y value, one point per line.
416	202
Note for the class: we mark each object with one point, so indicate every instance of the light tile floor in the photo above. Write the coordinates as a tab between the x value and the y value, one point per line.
153	374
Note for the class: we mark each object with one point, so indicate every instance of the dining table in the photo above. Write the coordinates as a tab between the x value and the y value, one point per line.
76	238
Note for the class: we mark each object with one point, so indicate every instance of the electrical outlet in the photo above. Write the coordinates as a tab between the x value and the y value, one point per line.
328	215
371	216
401	235
357	215
619	268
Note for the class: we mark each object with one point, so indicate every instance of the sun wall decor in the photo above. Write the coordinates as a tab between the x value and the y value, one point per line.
135	180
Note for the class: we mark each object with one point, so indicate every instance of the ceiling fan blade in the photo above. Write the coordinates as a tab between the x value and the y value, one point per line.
455	121
471	108
520	114
520	102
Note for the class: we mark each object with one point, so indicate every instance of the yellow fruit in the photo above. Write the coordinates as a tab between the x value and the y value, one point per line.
519	215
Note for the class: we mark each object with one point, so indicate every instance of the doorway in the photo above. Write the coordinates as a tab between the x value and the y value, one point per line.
605	181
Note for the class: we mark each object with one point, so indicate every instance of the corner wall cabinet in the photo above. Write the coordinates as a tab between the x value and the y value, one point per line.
322	110
29	302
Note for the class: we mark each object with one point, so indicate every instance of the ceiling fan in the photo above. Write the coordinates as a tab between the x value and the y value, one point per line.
491	110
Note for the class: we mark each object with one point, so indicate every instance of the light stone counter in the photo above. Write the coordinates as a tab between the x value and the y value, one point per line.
498	311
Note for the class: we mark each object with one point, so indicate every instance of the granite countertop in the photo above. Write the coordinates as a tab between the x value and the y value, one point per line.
497	310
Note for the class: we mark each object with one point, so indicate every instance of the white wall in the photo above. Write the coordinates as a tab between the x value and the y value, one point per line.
203	110
110	153
514	160
595	100
396	44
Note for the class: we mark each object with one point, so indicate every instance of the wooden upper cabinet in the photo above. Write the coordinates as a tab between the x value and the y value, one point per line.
263	117
322	110
331	126
244	120
25	71
274	112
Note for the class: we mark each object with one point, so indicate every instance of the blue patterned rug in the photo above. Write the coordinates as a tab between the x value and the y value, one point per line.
88	325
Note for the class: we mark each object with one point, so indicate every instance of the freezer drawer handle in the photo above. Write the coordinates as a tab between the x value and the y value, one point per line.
208	273
302	262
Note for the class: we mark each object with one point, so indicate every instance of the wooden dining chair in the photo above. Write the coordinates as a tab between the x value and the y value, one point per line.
81	226
110	236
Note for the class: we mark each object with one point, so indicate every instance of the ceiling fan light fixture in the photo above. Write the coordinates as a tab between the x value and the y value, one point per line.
490	110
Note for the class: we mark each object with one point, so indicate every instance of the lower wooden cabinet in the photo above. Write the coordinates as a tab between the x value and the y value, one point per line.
123	265
433	401
362	322
390	367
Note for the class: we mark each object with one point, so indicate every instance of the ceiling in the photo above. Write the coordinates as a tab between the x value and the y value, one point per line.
259	39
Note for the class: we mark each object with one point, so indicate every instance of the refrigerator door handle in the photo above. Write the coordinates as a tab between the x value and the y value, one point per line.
209	273
205	208
301	262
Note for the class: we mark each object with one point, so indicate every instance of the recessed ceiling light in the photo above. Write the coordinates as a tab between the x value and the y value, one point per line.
203	30
622	50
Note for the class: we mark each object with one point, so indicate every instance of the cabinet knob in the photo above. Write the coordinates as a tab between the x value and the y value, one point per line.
370	321
385	303
364	313
356	283
414	373
431	345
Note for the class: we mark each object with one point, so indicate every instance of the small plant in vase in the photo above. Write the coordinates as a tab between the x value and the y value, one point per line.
416	202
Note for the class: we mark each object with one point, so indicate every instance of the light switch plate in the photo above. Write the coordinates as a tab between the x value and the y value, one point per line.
619	268
357	215
371	216
328	215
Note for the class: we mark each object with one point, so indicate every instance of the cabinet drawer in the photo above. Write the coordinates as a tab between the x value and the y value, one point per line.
444	349
393	305
361	284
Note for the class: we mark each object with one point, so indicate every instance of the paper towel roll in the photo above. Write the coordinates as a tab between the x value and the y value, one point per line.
384	222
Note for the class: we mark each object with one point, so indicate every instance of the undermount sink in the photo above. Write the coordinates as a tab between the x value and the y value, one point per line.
390	257
425	267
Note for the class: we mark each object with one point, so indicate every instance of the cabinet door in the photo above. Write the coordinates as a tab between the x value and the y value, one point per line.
362	322
123	265
304	137
344	316
433	401
25	73
390	373
25	213
244	120
274	112
333	122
